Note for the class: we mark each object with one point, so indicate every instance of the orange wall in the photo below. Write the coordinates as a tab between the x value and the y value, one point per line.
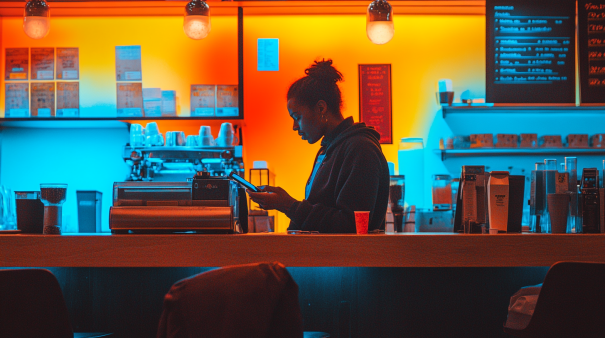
425	48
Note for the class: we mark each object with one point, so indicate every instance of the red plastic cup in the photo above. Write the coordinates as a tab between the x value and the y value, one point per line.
362	218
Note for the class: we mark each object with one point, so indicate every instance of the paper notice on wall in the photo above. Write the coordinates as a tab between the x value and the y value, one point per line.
68	64
128	63
153	108
17	64
68	99
130	99
152	102
227	98
16	101
168	103
203	99
43	63
267	55
43	99
152	94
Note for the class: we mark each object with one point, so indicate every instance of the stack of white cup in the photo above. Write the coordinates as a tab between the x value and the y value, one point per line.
226	136
205	138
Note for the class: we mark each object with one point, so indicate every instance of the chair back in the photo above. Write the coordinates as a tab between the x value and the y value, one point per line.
571	302
32	305
243	301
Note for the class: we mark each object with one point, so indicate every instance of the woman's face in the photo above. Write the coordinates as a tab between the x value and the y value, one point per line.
307	121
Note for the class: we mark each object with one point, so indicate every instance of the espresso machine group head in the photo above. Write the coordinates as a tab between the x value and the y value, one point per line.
173	164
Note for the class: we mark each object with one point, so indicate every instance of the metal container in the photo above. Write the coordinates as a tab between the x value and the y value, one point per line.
89	210
30	212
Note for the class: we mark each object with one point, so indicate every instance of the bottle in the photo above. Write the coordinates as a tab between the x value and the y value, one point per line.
550	185
537	198
571	167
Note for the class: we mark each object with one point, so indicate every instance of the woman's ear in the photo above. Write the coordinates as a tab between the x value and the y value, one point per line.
321	107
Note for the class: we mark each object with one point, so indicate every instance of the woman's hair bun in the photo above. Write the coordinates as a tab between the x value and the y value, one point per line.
324	71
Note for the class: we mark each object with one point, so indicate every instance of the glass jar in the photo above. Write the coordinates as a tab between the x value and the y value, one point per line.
411	165
571	167
442	192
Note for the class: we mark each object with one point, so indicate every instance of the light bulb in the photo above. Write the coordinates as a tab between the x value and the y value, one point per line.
197	20
379	25
197	27
36	20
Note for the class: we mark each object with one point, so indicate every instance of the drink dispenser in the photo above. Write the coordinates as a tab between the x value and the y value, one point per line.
442	192
53	196
411	165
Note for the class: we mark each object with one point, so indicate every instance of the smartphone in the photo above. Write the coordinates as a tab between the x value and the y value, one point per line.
243	182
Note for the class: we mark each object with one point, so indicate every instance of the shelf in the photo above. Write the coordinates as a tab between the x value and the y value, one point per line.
86	122
451	153
63	123
465	109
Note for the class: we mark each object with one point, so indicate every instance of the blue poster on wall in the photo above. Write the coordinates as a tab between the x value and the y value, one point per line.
268	55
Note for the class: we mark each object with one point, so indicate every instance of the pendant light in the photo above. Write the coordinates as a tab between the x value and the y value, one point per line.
197	19
379	24
36	20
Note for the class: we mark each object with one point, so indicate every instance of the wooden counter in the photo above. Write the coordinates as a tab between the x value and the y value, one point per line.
401	250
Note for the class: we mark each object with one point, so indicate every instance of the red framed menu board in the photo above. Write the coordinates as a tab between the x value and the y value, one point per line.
375	108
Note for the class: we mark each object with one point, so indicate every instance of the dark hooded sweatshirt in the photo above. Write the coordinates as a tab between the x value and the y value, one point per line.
353	176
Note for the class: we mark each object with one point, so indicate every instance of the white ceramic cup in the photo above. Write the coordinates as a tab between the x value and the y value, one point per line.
226	136
152	128
137	137
224	141
206	141
205	131
154	140
170	139
179	139
191	141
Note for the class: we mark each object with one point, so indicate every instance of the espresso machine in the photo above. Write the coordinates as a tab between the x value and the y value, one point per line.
179	163
202	204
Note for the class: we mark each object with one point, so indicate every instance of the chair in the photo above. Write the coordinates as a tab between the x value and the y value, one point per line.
571	303
253	301
32	306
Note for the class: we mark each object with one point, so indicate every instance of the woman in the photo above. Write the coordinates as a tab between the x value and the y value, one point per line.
350	172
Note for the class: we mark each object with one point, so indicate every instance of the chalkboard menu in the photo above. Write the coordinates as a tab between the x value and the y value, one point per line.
375	99
591	45
530	52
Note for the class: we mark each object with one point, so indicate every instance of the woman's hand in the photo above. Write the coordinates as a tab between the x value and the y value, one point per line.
272	198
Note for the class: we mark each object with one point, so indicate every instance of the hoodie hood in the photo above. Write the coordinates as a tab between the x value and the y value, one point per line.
351	129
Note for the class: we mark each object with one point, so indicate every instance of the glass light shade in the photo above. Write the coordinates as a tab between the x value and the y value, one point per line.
197	27
36	19
197	19
379	25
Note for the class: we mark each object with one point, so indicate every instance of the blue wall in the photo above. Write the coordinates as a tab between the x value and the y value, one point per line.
86	158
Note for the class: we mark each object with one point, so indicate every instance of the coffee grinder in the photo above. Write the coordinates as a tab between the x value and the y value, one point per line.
53	196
